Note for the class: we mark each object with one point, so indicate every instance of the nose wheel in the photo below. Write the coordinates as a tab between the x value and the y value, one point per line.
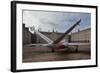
76	49
52	50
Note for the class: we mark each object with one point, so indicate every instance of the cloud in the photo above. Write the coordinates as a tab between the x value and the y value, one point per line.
59	21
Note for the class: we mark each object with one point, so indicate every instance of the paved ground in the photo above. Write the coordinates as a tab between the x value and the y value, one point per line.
40	54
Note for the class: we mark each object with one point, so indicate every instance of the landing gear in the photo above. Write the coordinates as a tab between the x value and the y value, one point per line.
53	50
76	49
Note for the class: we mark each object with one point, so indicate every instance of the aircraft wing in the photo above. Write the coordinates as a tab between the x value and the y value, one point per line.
68	31
37	44
43	36
77	44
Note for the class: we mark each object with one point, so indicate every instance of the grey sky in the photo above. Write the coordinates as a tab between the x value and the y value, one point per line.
59	21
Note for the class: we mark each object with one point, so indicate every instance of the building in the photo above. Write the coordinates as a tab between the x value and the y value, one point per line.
28	37
81	36
52	35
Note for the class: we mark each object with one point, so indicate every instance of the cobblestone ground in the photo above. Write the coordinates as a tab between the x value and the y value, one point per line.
41	54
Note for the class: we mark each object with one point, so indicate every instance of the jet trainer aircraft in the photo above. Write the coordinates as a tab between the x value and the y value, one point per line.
58	43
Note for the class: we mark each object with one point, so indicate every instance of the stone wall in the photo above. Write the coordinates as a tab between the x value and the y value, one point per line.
81	36
27	36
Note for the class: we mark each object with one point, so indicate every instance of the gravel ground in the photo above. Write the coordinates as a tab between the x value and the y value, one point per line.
42	54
